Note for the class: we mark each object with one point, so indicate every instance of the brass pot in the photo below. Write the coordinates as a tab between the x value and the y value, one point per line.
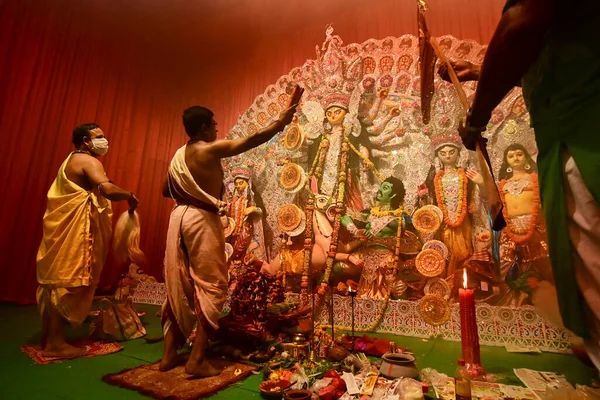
297	350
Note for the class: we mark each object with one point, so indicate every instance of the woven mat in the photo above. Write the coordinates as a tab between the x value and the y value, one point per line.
93	349
176	384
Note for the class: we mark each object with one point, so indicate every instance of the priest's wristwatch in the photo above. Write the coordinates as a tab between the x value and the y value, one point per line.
469	127
470	133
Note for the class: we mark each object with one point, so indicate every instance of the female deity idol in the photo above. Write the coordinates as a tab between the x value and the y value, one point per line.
383	230
524	251
340	133
453	192
246	210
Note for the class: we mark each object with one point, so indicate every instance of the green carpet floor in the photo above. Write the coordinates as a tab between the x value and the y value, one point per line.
21	378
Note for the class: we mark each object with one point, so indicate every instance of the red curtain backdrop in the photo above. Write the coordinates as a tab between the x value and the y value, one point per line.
132	66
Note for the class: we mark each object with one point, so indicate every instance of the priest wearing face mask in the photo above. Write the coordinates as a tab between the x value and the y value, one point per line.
77	228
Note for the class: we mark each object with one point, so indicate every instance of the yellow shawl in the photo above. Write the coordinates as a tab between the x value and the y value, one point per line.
77	229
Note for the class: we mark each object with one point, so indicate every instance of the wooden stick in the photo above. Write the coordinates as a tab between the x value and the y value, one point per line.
480	148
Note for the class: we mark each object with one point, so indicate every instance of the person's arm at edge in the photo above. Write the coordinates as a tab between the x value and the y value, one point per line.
514	48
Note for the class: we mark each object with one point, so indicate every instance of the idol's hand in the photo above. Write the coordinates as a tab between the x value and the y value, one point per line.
250	210
356	260
475	176
286	116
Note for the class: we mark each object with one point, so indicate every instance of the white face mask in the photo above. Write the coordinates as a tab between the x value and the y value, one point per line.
100	146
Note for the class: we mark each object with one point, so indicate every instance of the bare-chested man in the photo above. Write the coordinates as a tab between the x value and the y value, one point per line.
195	270
77	230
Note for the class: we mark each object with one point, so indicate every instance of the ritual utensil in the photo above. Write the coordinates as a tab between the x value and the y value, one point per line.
396	365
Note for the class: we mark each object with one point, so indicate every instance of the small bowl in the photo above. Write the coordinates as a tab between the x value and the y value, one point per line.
298	395
272	389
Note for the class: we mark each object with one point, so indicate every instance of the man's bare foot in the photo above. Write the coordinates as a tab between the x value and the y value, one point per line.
202	370
168	362
64	350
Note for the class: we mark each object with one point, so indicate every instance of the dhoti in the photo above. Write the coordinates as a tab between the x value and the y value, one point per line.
195	270
77	230
584	231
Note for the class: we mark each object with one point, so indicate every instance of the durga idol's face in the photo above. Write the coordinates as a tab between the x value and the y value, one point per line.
335	115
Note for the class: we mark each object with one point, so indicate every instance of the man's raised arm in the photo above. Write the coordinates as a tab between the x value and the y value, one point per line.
229	148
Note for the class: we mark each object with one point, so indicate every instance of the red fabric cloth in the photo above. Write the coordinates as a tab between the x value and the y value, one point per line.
133	67
93	349
369	345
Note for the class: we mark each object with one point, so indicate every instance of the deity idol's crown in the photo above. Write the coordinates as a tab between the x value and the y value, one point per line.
241	173
337	100
334	74
446	139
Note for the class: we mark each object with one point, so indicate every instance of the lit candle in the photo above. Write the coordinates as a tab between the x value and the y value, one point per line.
352	294
468	324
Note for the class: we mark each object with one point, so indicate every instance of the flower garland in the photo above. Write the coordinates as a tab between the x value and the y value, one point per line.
339	210
462	197
535	187
238	210
316	170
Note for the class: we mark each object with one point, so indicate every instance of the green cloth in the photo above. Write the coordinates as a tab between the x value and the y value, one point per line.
562	93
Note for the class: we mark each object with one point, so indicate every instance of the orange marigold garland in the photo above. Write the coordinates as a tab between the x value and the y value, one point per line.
462	199
316	171
238	205
339	209
515	237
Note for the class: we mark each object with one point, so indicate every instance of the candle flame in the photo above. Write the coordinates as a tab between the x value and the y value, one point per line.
464	278
350	289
